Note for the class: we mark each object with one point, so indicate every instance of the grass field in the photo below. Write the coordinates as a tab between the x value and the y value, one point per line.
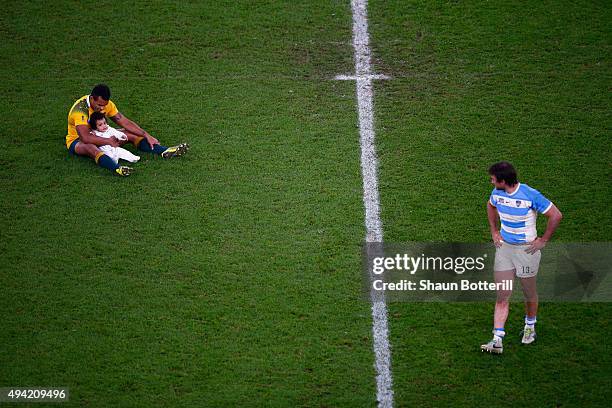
231	277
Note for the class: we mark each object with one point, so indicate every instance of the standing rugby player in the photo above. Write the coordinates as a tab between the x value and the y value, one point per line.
517	246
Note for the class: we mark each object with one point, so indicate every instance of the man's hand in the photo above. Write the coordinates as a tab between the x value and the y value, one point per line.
497	239
535	246
132	127
150	139
114	142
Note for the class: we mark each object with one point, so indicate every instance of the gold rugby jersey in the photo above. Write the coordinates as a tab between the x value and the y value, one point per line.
79	115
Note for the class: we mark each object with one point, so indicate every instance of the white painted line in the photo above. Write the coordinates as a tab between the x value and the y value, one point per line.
355	77
371	201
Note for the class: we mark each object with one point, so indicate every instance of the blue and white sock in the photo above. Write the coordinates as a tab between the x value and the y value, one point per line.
499	333
530	321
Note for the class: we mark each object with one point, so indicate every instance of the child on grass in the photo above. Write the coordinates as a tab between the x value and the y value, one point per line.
97	122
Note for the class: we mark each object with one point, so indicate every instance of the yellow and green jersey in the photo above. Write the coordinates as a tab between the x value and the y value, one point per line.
79	115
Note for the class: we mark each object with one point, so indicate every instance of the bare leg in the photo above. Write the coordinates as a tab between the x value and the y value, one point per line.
85	149
531	296
502	304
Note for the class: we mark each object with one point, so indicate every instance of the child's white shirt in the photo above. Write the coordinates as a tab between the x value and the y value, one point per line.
115	153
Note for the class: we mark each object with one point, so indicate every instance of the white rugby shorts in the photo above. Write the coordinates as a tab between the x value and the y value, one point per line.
509	257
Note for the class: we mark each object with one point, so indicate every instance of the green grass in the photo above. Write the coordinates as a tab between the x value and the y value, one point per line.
475	84
230	277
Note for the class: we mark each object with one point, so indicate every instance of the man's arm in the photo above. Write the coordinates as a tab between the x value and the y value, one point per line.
86	136
132	127
554	218
493	218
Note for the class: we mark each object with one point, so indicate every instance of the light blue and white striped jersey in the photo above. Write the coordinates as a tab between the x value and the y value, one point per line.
518	212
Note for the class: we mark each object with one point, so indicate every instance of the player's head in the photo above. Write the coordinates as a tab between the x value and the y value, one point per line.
503	174
100	96
97	121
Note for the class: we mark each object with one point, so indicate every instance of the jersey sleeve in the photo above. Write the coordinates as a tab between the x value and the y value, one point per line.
491	200
111	109
539	203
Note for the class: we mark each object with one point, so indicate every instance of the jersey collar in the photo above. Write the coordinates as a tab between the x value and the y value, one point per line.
87	99
515	191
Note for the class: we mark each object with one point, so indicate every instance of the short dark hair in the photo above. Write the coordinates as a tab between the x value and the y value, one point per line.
504	171
96	116
102	91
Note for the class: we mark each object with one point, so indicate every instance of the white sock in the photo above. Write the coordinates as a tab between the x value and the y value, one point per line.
530	321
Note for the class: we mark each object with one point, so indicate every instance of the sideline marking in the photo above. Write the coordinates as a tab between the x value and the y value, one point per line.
369	167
